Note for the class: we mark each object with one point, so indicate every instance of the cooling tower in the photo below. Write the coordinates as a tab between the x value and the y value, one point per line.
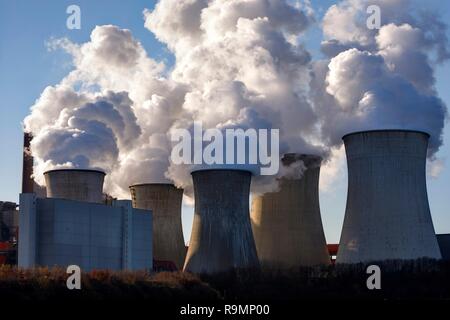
387	214
75	184
165	201
221	237
286	224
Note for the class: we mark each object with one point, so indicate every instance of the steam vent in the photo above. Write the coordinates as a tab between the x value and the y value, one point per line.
75	184
387	214
286	224
165	201
221	236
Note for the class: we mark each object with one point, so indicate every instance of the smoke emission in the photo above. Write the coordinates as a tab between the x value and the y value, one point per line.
238	64
379	79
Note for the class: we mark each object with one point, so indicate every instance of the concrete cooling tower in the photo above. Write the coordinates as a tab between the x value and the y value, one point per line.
165	201
75	184
286	224
387	214
221	237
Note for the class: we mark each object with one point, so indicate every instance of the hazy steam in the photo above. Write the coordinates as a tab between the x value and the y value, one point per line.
237	64
379	79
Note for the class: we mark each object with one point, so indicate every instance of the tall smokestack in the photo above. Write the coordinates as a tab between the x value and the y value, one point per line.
75	184
387	214
286	224
165	201
27	164
221	237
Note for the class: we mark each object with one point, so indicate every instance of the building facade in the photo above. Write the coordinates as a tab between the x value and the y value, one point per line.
61	232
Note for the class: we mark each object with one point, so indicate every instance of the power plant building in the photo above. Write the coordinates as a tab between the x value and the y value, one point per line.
287	224
221	237
387	214
165	201
64	231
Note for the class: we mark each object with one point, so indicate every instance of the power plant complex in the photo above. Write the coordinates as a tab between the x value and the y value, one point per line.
387	217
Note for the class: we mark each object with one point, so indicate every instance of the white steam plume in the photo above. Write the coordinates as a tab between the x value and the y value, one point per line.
379	79
237	64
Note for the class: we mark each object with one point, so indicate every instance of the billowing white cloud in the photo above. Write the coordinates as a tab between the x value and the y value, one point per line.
90	131
379	79
242	68
237	64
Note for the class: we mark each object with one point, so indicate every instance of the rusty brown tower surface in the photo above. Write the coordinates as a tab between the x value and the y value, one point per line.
287	224
221	237
165	200
27	165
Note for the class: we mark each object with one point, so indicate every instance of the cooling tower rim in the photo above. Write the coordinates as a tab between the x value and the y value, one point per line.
221	169
75	170
291	157
302	154
152	184
386	130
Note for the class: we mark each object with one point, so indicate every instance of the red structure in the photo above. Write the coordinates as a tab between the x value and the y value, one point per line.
6	252
333	250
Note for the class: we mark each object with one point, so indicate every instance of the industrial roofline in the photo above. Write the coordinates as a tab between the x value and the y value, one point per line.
76	170
152	184
386	130
222	169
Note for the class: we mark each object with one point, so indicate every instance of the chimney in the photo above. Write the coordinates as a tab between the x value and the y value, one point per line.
27	164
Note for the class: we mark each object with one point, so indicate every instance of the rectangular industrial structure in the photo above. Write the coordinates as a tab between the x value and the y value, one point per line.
60	232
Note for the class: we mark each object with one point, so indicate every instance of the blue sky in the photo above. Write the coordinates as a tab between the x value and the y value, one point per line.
27	67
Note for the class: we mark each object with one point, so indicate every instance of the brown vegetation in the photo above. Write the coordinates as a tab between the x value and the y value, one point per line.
421	279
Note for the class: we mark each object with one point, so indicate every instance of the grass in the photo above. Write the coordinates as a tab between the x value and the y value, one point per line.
43	283
420	279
